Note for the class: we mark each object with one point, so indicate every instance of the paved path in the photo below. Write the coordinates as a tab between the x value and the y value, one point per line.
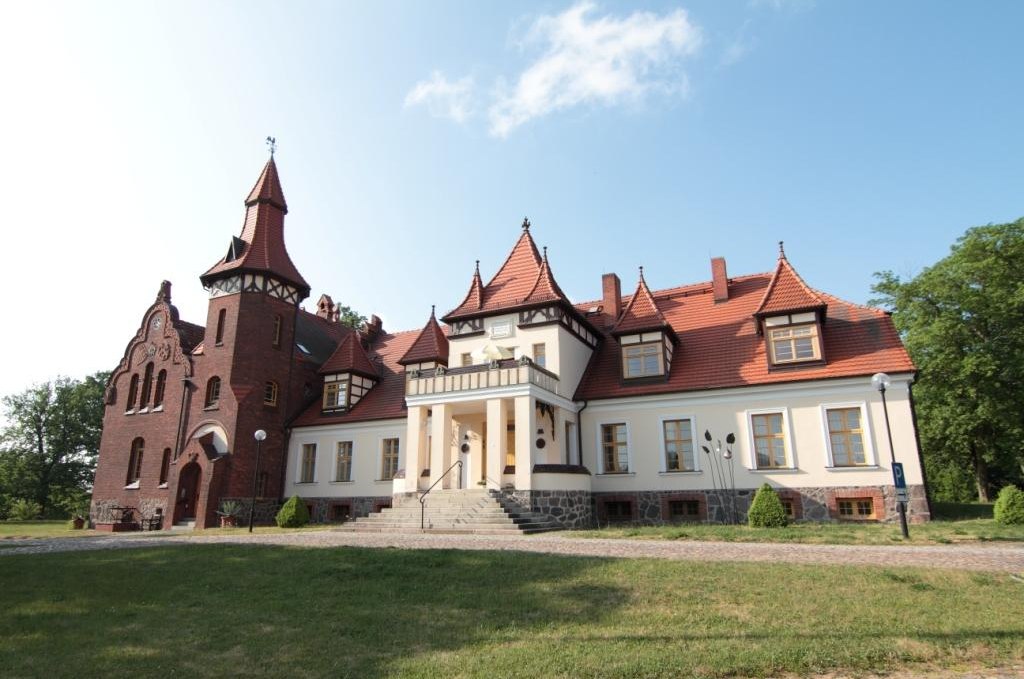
999	558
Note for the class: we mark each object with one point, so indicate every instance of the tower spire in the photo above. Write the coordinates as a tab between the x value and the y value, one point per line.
260	248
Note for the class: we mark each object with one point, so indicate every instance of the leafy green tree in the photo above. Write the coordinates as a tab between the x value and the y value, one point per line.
963	322
48	449
350	317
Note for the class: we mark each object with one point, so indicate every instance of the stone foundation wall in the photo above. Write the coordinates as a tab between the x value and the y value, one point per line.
102	511
264	513
809	504
568	508
357	506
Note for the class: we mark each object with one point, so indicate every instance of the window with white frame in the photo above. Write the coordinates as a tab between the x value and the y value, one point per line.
540	354
335	394
678	438
307	468
846	436
614	448
642	360
389	459
768	432
343	461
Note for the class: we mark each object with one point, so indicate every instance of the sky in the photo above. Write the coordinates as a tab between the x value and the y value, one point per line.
414	137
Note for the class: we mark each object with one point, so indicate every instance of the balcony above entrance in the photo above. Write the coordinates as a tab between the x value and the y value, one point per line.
503	373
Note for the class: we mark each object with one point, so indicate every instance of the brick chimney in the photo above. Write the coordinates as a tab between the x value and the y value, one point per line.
611	296
719	279
373	328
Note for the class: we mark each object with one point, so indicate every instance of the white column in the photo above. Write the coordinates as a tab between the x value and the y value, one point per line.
440	440
526	432
415	447
497	426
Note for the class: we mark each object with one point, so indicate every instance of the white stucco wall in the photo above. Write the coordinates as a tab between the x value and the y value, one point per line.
367	442
725	411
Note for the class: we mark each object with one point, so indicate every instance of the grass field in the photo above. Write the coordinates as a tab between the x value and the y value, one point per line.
39	529
931	533
210	611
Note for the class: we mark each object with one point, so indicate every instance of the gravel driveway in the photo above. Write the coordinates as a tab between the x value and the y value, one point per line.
999	558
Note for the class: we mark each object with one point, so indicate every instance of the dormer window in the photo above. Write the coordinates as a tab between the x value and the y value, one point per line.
645	355
793	338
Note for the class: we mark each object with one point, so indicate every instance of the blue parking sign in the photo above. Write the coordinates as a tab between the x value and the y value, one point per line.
897	476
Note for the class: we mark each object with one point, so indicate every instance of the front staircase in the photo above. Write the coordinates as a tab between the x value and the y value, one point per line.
475	512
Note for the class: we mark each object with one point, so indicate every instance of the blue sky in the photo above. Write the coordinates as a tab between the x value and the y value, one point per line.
414	137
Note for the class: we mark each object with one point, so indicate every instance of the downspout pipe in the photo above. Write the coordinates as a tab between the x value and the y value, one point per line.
579	434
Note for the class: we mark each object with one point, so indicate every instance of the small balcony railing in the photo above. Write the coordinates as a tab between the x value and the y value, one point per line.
504	373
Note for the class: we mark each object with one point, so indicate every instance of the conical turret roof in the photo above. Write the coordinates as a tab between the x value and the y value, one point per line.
261	248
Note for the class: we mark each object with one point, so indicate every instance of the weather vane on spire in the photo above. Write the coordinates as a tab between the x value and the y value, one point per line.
272	145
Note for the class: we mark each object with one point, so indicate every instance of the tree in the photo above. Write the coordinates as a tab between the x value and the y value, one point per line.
962	320
350	317
48	450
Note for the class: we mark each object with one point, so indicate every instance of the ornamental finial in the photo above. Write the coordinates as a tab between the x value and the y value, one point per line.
272	145
526	224
782	251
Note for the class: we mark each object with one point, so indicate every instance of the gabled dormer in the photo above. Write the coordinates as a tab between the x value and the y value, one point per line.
790	316
645	336
348	375
430	349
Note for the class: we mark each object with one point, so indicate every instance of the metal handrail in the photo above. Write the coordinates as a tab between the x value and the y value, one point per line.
423	505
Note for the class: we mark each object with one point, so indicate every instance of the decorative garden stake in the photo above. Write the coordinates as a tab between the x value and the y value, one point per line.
717	466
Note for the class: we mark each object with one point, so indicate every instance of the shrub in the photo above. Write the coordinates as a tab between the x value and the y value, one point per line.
1009	507
766	511
293	513
24	510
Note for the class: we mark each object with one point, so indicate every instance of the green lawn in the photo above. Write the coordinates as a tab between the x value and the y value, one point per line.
211	611
931	533
39	529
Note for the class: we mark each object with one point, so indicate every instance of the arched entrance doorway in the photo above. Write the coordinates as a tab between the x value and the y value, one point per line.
188	493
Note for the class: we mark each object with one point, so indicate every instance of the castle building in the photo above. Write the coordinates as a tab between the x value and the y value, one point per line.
656	405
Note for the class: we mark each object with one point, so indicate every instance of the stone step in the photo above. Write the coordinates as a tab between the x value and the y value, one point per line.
474	511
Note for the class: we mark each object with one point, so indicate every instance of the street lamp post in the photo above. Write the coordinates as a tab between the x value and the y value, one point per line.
881	382
260	436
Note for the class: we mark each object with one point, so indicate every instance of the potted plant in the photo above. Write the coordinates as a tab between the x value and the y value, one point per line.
79	516
229	513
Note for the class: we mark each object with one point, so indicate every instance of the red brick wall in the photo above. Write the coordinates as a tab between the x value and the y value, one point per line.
244	361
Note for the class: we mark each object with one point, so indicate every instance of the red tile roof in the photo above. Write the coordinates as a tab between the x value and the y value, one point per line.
787	291
350	357
387	398
545	288
641	313
261	247
719	345
510	286
430	345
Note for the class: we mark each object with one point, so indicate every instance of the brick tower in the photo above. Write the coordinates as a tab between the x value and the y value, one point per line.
184	403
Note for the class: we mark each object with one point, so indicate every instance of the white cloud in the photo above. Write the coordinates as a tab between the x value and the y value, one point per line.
738	47
443	98
784	5
605	60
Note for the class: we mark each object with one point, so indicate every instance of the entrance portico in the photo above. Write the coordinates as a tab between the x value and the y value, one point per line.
495	418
